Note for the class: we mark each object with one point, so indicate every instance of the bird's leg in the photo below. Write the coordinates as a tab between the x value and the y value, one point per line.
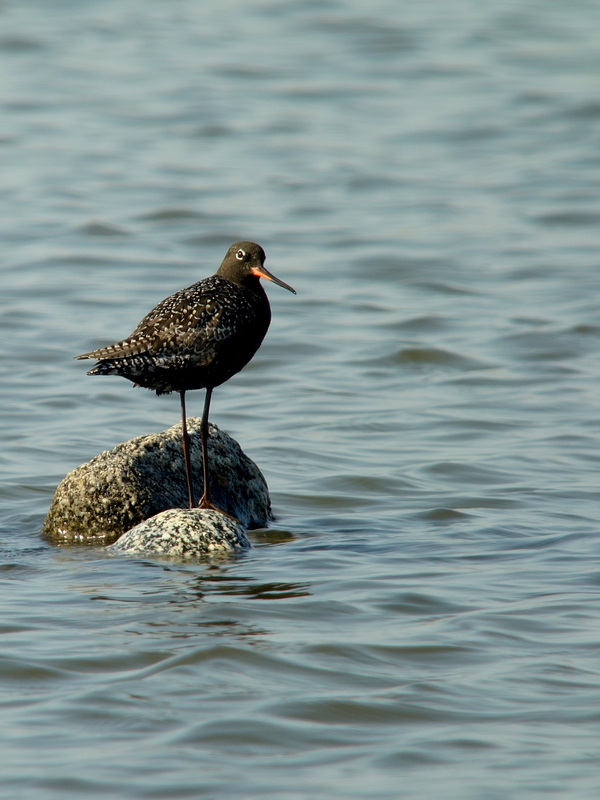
206	501
185	440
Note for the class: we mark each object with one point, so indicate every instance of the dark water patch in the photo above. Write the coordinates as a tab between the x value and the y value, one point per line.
14	318
470	474
247	71
64	402
480	133
585	329
354	485
350	242
422	323
445	516
569	218
110	664
443	287
536	322
540	345
370	308
421	357
81	260
322	501
26	487
367	35
470	425
257	736
589	109
375	712
309	211
447	71
379	667
325	93
26	106
20	44
270	536
538	272
103	229
21	672
410	757
536	97
365	182
265	591
173	213
423	605
214	131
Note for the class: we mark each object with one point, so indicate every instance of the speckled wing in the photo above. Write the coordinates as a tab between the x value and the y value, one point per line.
190	324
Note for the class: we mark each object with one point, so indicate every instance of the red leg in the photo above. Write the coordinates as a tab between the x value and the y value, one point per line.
185	440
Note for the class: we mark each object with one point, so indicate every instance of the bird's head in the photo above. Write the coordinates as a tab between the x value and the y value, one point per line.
245	259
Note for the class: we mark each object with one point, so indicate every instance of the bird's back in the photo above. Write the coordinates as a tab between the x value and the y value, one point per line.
200	336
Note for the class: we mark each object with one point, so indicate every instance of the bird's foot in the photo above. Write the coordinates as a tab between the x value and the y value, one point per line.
206	503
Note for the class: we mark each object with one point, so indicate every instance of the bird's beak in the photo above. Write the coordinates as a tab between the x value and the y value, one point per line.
263	272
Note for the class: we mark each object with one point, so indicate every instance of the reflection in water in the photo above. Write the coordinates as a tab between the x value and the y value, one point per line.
245	587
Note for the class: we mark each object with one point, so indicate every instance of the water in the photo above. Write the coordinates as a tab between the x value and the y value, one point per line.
422	619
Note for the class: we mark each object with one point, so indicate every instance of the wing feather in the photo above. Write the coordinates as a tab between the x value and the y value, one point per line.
191	323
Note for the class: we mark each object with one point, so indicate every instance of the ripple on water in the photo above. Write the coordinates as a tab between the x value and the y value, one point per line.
431	357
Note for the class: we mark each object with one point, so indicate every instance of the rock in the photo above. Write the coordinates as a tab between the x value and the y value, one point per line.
184	533
118	489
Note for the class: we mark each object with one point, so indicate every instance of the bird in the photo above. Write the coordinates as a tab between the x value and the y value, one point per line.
197	338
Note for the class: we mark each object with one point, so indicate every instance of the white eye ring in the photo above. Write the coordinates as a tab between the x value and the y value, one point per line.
240	255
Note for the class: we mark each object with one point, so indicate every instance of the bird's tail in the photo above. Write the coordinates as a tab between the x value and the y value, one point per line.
104	368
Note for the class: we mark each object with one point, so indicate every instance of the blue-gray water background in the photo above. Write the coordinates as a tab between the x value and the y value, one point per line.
423	619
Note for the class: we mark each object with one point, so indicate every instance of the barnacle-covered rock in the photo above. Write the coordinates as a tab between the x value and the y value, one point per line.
100	500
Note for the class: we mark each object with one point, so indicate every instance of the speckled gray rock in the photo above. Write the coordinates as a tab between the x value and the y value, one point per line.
118	489
184	533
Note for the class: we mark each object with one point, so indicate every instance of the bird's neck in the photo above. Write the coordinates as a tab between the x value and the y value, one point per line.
249	283
253	285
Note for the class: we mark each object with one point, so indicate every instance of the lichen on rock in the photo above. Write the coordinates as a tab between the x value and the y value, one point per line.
184	533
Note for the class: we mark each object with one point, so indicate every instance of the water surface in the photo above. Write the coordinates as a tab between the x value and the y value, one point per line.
421	620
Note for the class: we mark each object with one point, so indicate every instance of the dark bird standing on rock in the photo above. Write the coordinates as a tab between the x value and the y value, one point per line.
197	338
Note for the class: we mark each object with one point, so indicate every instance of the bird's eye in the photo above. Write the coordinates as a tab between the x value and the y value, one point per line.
240	255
